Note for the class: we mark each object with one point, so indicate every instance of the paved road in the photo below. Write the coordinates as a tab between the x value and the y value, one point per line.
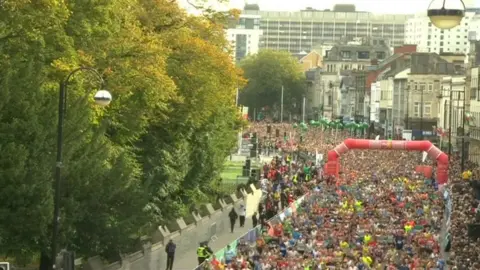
188	261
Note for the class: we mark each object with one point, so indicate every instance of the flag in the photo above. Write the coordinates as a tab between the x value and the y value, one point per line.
294	208
424	156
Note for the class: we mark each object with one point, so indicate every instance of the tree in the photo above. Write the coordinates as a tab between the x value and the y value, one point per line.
184	154
147	158
266	73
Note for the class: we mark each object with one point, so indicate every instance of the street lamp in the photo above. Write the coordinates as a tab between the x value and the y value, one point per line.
102	98
446	15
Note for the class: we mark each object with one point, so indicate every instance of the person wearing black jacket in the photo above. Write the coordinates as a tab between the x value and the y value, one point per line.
170	250
233	218
254	220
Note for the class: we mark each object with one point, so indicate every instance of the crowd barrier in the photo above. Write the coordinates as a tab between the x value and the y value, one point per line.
251	236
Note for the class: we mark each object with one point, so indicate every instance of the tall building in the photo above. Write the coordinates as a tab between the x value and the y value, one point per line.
306	29
428	38
244	35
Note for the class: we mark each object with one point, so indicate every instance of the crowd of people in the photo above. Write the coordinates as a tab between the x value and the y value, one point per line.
379	214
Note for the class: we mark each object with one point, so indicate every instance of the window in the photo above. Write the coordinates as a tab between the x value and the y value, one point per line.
427	109
416	109
363	55
380	55
430	87
422	86
345	54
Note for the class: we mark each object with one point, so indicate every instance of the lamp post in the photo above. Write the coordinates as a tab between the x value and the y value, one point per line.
462	164
450	123
421	113
446	15
102	98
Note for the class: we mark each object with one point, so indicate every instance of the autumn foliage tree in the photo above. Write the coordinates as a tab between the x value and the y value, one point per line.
147	158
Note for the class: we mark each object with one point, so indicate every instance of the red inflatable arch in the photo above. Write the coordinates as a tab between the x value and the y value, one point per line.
333	165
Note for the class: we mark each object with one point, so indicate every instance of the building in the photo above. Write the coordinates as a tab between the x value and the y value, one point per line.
473	105
304	30
311	60
311	64
425	91
350	59
361	91
244	35
420	31
399	106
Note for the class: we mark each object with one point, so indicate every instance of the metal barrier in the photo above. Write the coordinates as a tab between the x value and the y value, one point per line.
251	236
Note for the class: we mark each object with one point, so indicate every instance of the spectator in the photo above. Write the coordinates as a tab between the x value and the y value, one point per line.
233	219
170	250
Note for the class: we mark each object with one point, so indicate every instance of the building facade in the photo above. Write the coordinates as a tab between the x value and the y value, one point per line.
420	31
303	30
244	36
345	72
399	106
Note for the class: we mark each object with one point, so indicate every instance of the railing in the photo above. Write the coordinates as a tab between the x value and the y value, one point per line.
248	237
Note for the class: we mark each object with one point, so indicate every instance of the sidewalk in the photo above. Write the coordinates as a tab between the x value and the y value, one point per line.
188	261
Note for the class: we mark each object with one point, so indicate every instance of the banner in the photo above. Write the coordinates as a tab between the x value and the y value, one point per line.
245	113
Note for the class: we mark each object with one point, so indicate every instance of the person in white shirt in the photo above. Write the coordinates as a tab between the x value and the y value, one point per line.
242	212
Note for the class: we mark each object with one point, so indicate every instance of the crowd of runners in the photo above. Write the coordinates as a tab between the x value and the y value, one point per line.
379	214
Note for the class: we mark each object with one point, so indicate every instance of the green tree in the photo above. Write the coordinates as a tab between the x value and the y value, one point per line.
266	73
31	34
145	159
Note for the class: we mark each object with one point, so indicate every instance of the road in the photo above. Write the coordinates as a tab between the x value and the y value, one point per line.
188	261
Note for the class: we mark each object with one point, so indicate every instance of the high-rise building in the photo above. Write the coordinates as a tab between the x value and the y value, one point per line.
428	38
244	35
306	29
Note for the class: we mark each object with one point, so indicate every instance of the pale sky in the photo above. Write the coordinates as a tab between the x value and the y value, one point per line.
376	6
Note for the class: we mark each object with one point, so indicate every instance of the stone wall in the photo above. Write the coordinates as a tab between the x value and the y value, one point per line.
187	233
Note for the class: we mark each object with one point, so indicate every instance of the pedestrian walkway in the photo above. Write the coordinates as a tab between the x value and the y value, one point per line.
188	261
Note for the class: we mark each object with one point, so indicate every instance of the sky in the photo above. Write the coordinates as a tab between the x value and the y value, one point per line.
375	6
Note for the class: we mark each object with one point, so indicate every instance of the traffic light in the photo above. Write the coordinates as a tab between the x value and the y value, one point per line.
255	174
245	171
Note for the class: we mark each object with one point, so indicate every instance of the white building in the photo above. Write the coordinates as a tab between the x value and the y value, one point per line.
451	106
244	36
375	95
428	38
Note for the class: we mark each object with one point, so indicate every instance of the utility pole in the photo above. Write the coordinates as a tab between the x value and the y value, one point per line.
408	109
303	109
450	123
463	133
421	114
281	106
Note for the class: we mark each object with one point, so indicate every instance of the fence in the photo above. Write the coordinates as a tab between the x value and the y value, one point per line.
251	236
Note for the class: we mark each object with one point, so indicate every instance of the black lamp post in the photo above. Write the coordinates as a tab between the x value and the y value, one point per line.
463	134
102	98
450	123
